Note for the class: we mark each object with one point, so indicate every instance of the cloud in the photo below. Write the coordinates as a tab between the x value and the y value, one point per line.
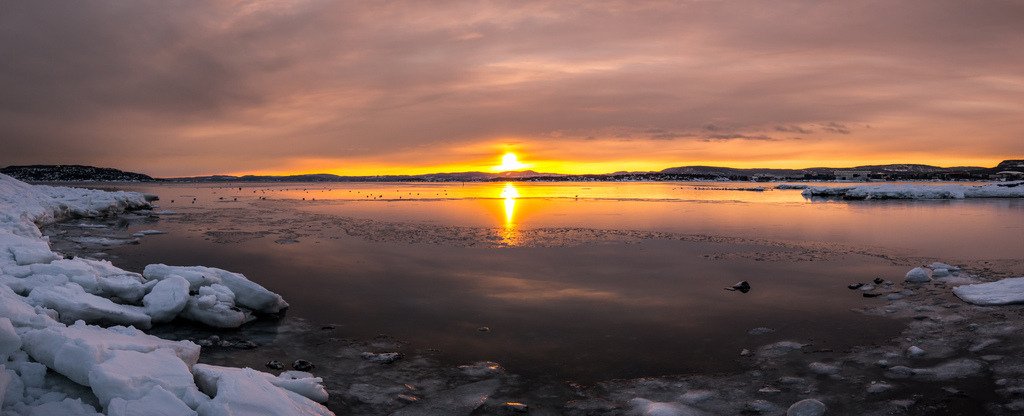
176	88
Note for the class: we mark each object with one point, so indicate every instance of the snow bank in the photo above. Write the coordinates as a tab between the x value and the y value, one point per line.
53	312
1001	292
996	190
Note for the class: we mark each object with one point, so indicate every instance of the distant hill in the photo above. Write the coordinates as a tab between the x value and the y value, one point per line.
72	173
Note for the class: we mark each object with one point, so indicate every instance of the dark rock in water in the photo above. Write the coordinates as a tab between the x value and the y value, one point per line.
327	327
743	287
878	280
871	295
381	358
274	365
484	329
302	365
854	286
246	345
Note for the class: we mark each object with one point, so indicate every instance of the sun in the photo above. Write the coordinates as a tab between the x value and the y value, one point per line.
509	162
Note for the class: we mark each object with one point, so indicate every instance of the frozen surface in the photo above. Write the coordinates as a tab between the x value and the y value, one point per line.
249	392
1001	292
996	190
55	312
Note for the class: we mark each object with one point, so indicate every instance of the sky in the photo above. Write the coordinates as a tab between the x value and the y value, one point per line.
179	88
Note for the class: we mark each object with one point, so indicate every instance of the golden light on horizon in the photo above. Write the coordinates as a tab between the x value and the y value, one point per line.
510	162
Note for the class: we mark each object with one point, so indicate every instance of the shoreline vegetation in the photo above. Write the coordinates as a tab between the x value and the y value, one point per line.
72	342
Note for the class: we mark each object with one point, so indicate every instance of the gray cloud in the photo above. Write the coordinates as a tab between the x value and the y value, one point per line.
199	87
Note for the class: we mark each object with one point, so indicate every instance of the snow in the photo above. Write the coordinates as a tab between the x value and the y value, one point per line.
903	191
54	314
1001	292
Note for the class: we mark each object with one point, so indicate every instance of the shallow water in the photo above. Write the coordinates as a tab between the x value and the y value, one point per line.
574	281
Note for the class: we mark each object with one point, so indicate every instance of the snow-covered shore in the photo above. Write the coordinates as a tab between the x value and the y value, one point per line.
71	340
905	191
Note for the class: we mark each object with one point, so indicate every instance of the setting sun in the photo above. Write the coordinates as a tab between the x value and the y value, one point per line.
509	162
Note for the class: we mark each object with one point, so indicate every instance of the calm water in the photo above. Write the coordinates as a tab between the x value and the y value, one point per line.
575	281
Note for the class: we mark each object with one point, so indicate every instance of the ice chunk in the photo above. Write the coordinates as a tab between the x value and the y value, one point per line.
644	407
955	369
9	340
158	402
302	383
35	253
74	350
167	299
918	275
24	285
248	294
1001	292
890	191
72	303
20	313
131	375
214	306
249	392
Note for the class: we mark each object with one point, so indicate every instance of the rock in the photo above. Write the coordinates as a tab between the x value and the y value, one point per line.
743	287
807	407
484	329
302	365
854	286
918	275
274	365
915	351
878	280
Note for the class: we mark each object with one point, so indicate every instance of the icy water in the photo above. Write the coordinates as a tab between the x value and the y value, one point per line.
568	281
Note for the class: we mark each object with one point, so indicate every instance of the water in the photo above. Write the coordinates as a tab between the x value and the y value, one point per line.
572	281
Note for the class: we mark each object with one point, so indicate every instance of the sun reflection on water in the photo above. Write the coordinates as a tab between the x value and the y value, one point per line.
510	235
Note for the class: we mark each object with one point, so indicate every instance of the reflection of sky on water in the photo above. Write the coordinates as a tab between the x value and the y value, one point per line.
592	311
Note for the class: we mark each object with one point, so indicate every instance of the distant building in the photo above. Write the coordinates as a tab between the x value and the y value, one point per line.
1009	175
852	175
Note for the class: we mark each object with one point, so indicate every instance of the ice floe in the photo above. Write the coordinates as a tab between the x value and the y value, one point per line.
904	191
1001	292
81	319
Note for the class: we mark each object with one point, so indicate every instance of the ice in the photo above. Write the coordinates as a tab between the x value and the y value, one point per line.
24	285
20	313
158	402
167	299
791	186
461	400
999	190
9	340
65	407
302	383
72	303
918	275
74	350
1001	292
249	392
131	375
214	305
955	369
36	253
247	293
807	407
644	407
